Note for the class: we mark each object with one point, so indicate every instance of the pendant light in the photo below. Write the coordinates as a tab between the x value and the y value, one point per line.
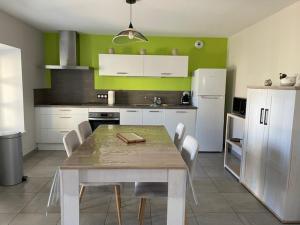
130	35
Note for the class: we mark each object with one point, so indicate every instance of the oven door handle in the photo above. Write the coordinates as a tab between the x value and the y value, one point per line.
103	119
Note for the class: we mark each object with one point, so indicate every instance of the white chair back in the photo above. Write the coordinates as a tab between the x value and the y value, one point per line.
179	134
71	142
84	130
189	154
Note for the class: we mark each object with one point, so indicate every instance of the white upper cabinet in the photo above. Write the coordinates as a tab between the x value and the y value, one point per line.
143	65
165	66
120	65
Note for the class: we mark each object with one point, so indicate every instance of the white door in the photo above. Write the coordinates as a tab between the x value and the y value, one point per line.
153	116
280	122
254	154
210	123
165	66
209	82
175	116
131	116
120	65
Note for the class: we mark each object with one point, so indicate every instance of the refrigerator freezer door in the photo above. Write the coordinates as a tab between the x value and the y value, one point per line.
210	123
209	82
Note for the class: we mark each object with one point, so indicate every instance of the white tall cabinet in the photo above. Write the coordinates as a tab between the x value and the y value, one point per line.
271	159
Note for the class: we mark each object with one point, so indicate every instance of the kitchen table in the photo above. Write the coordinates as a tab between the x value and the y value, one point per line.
105	158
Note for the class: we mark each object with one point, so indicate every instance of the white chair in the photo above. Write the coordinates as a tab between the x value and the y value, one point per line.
71	143
179	134
84	130
146	190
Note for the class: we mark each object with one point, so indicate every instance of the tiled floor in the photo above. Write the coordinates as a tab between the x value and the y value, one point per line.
222	200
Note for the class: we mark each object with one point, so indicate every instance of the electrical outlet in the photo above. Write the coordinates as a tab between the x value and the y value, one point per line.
101	96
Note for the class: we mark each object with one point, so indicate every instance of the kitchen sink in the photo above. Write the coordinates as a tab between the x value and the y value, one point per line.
150	105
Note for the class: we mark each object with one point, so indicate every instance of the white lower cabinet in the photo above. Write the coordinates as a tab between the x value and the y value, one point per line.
153	116
271	159
131	116
185	116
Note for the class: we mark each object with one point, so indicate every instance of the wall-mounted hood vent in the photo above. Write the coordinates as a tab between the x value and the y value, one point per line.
67	52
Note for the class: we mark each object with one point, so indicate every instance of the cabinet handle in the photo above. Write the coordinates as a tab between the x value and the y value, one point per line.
65	110
181	111
166	74
261	116
154	111
266	117
131	110
122	73
65	117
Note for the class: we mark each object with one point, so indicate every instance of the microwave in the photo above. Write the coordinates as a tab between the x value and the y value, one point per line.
239	106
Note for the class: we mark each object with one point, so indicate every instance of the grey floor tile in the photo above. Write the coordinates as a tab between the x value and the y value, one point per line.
218	219
41	171
127	218
32	185
229	186
95	203
258	219
39	205
14	202
35	219
210	155
244	202
204	185
218	172
161	219
211	202
210	161
5	218
91	219
129	205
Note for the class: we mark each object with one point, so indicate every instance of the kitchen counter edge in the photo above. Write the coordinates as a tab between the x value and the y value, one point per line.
119	106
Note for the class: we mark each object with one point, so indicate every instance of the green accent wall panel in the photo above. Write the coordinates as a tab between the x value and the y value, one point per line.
212	55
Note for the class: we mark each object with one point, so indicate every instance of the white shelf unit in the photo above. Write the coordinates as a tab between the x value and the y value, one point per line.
234	149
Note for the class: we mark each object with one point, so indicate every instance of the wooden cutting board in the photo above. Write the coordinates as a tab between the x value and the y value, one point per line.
130	138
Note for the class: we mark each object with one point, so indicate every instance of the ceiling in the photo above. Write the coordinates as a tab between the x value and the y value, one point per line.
155	17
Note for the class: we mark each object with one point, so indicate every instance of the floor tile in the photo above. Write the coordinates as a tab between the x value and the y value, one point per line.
14	202
218	172
258	219
129	205
32	185
127	218
204	185
228	186
218	219
35	219
95	203
91	219
5	218
244	202
39	205
41	171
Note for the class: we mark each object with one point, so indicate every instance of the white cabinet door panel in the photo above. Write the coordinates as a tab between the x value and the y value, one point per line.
131	116
185	116
120	65
53	136
153	116
165	66
61	111
254	154
61	121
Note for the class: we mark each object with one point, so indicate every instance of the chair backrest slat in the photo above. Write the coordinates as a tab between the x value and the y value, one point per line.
84	130
71	142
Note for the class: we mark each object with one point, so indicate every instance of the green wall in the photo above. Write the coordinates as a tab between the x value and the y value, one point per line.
212	55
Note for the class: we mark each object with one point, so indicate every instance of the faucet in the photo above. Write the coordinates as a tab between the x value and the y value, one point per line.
156	101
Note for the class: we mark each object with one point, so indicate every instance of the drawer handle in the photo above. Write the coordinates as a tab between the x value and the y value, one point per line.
65	117
65	110
166	74
131	111
181	111
155	111
122	73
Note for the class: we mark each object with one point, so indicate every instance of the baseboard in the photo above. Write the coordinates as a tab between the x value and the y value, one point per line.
55	147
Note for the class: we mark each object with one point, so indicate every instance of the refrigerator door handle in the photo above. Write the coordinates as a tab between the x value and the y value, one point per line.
261	119
211	96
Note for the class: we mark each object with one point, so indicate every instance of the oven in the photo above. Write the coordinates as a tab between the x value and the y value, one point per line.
99	118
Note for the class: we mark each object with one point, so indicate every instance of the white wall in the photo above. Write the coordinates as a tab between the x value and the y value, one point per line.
20	35
263	51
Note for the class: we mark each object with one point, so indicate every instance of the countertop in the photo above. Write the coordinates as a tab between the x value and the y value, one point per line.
138	106
103	150
275	87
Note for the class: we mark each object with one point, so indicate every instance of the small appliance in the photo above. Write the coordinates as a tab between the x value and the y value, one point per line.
110	97
186	98
239	106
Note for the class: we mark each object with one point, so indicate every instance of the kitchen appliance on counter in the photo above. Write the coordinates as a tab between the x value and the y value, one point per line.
208	88
239	106
186	98
99	118
111	98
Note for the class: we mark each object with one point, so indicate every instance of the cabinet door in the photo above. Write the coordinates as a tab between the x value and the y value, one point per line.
131	116
175	116
153	116
253	173
61	121
280	122
165	66
120	65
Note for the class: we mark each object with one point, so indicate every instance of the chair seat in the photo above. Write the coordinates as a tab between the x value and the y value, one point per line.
150	189
97	184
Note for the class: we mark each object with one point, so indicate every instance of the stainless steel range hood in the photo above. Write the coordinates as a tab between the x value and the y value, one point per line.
67	53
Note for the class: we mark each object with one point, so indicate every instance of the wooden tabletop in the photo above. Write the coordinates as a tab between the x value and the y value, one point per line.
103	150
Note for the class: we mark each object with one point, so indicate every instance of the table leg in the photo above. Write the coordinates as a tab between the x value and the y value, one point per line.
69	197
176	197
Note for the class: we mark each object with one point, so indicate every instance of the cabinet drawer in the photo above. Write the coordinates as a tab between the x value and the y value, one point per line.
131	116
61	111
61	121
153	117
52	135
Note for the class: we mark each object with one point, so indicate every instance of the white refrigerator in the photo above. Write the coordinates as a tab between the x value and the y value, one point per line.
208	94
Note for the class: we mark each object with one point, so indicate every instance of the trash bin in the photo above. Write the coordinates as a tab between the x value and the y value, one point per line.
11	158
